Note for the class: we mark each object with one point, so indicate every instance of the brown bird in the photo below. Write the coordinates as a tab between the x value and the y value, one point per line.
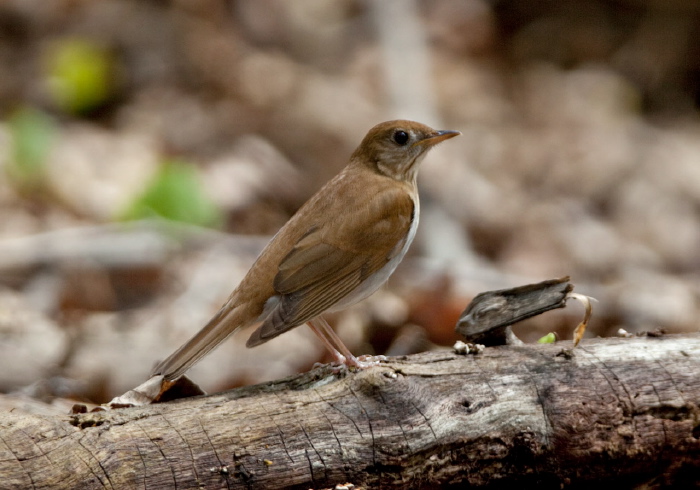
339	248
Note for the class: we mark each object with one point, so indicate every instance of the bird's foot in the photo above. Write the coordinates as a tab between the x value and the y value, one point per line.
364	362
342	363
374	359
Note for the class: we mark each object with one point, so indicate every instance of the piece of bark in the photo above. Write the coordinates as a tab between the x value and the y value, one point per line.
488	317
615	411
154	390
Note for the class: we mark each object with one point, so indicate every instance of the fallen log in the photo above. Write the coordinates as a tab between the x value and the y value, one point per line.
622	411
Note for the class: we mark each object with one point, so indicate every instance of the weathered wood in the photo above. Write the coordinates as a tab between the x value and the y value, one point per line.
488	317
621	411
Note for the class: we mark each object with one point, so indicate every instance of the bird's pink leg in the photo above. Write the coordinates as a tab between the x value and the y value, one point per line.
332	341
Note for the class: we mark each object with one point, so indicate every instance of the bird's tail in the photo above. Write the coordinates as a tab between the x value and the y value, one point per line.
219	328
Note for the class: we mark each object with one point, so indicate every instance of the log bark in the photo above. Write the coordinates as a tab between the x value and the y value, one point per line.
614	411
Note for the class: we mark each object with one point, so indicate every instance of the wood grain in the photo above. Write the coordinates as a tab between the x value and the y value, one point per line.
621	411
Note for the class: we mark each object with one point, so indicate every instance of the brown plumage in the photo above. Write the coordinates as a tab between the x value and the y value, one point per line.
340	246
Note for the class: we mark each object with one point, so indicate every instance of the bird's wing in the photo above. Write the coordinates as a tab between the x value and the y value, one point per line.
325	265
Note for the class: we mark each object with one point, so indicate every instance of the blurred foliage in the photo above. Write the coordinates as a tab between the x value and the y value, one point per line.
32	133
550	338
558	172
176	193
80	75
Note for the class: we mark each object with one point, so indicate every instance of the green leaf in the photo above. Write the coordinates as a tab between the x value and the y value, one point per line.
32	133
80	75
176	193
550	338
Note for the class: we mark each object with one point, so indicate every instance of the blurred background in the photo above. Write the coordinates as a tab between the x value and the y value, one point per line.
148	150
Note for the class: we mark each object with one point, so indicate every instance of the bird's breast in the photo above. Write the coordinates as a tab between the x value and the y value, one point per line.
375	281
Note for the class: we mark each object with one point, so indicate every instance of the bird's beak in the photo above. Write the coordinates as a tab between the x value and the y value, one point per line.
436	137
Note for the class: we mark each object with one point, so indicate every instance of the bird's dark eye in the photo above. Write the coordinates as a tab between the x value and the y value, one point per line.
401	137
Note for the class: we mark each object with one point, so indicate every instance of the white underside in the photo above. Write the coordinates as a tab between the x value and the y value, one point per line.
375	281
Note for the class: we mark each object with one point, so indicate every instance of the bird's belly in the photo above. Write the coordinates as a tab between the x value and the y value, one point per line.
374	282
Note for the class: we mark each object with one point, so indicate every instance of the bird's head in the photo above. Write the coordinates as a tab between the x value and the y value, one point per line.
395	148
